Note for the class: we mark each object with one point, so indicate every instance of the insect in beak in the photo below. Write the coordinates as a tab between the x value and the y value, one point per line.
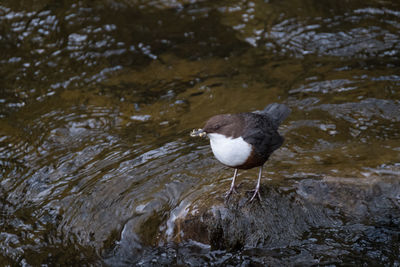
198	133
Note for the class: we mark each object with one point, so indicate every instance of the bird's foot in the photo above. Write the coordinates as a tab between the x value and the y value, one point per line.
229	193
256	193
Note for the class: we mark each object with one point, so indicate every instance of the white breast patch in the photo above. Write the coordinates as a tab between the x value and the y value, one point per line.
229	151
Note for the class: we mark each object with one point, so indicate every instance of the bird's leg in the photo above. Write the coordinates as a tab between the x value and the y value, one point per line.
232	189
257	190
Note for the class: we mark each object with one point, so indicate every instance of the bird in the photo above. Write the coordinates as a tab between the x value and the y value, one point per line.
245	140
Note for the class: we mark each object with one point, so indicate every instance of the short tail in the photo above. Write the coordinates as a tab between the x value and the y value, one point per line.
277	112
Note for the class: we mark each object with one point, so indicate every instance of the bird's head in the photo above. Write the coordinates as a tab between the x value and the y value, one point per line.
221	124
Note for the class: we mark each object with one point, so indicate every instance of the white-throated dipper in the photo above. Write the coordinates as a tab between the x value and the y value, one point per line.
245	140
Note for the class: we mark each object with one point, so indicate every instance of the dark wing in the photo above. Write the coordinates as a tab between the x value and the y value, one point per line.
261	133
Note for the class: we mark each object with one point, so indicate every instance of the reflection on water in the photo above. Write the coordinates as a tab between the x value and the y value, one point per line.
97	100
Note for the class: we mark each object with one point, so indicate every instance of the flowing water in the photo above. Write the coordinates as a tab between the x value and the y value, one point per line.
97	99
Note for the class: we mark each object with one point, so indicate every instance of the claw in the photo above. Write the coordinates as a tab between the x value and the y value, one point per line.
232	189
229	193
257	189
256	193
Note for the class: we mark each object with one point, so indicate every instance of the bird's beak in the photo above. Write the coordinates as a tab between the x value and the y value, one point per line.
198	133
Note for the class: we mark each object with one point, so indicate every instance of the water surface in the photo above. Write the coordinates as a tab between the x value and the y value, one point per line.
97	101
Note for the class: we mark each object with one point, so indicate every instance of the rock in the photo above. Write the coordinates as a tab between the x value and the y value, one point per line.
287	213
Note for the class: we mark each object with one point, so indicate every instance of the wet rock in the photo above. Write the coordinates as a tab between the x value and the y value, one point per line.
286	215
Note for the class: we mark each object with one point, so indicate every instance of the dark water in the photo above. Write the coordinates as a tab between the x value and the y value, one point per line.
97	99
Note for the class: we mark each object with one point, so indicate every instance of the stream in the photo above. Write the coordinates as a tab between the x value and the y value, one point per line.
97	100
